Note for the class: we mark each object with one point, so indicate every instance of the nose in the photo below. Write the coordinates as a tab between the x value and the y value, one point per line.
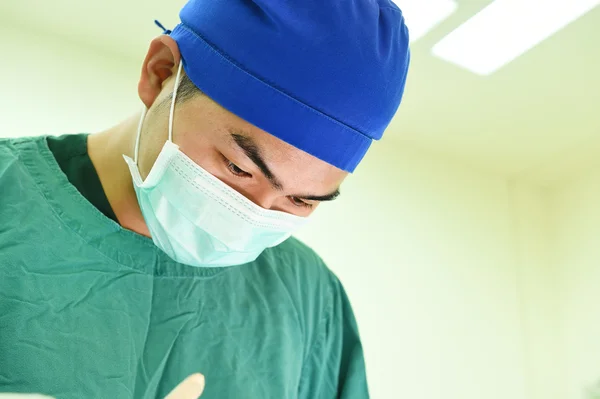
266	198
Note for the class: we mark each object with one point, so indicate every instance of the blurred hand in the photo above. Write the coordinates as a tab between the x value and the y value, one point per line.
190	388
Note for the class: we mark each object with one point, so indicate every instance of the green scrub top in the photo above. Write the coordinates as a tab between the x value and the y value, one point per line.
91	310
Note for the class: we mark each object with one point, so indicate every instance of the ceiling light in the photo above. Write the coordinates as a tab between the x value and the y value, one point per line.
506	29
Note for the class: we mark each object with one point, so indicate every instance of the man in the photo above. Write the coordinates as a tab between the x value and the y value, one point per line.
121	276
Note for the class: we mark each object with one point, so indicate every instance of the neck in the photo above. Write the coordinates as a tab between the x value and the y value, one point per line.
106	151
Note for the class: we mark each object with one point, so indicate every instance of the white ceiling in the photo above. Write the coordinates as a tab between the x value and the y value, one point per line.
538	117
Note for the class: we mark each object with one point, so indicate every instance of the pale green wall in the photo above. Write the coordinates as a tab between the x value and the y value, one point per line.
427	253
576	216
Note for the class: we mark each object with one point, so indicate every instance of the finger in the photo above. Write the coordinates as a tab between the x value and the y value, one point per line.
190	388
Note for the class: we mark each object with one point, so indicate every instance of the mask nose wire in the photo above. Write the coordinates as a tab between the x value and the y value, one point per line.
145	110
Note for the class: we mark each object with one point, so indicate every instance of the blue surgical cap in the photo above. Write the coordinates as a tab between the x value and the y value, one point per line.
325	76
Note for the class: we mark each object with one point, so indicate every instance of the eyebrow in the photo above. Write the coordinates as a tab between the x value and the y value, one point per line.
252	151
320	198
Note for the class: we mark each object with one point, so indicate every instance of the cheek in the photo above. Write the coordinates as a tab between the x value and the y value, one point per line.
150	146
206	157
215	167
248	187
209	159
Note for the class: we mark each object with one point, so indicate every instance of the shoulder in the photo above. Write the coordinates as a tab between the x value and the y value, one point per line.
309	281
6	146
292	251
8	154
13	150
298	260
312	287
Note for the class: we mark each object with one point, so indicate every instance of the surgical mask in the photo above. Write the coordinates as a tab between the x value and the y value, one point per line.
197	219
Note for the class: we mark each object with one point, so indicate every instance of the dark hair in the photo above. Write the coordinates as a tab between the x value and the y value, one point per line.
187	89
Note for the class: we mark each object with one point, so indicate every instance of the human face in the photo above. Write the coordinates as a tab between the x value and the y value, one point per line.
265	169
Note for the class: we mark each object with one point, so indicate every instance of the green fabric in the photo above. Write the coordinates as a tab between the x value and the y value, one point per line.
91	310
71	154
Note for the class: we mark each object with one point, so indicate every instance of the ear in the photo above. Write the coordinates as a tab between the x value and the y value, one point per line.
160	63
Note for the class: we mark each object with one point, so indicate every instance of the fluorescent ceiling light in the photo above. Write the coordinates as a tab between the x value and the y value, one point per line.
422	15
506	29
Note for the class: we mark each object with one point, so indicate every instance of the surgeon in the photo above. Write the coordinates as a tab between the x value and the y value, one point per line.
160	250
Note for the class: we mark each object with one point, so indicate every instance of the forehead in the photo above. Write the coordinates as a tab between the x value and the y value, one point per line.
221	126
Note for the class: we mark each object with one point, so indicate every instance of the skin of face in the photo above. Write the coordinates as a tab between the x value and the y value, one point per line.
265	169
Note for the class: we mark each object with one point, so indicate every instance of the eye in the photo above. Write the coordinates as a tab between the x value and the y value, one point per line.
300	203
235	170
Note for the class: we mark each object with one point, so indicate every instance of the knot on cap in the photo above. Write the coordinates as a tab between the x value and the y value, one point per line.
165	30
